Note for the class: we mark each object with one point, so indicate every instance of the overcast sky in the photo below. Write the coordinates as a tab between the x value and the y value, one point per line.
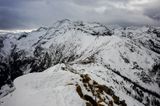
27	14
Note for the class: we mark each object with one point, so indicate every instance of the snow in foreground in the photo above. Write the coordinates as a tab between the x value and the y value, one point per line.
45	89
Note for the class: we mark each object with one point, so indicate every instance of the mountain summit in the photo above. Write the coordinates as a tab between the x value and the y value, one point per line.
80	63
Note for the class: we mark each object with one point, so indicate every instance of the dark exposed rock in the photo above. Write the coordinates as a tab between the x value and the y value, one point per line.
23	36
97	91
1	42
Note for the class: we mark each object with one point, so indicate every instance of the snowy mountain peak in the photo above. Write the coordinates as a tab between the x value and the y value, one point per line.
83	64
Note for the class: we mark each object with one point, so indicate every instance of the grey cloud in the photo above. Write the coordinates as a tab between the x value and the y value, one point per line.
11	19
152	10
35	13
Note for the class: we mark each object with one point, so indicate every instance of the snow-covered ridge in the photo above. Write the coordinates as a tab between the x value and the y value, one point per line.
58	88
126	60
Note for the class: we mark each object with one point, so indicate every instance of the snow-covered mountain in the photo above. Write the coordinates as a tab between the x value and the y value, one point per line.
78	64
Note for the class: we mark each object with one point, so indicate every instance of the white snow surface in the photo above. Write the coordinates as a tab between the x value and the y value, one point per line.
49	88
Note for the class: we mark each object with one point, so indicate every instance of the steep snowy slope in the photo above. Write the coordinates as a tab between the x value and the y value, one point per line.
119	66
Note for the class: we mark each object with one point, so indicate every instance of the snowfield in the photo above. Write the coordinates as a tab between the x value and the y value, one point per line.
81	64
48	88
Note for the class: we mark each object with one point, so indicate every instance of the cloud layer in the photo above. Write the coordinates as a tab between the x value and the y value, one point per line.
24	14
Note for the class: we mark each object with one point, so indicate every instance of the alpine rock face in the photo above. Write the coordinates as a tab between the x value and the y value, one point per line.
81	64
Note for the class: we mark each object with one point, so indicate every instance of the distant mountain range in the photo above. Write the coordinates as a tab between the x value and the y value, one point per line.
78	64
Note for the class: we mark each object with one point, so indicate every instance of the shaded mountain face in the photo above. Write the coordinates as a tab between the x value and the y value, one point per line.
123	63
